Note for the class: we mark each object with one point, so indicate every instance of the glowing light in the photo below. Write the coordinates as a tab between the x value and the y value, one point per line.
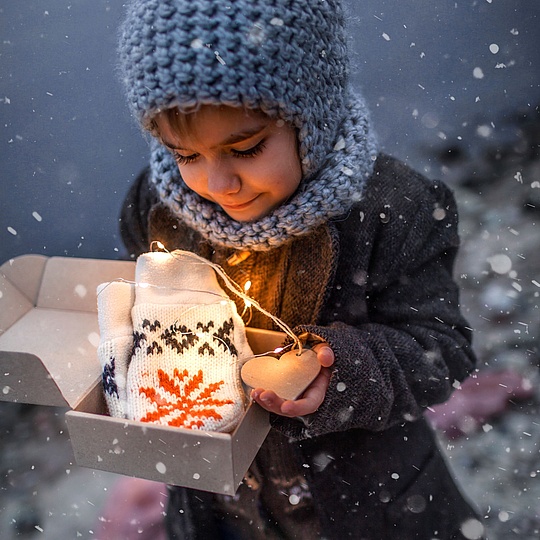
278	349
247	302
160	245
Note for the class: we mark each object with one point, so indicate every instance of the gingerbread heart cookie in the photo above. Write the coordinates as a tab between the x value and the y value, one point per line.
288	376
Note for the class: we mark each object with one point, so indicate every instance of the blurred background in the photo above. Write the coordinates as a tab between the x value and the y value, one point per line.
454	90
435	74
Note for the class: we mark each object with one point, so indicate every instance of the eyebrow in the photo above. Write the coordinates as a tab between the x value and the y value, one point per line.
233	138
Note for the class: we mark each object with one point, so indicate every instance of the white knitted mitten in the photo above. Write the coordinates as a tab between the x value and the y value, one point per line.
188	344
115	301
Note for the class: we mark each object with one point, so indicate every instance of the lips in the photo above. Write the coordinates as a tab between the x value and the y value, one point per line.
238	206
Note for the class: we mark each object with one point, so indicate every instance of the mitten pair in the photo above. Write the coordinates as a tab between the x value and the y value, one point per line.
172	345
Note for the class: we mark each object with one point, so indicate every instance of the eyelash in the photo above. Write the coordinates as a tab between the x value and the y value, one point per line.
183	160
251	152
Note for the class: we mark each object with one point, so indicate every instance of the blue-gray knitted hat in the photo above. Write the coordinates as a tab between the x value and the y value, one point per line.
287	58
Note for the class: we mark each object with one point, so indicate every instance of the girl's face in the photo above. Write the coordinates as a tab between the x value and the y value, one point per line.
241	160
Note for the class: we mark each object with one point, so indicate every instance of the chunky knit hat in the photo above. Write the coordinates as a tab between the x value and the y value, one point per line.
287	58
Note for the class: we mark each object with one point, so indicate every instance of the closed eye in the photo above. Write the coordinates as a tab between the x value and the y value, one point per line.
184	160
250	152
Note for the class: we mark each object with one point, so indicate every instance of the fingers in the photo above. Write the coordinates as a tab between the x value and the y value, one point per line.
307	404
268	400
311	399
325	354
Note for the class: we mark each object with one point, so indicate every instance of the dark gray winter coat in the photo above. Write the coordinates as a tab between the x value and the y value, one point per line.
377	285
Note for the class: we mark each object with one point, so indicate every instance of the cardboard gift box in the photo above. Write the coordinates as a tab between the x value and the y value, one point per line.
48	340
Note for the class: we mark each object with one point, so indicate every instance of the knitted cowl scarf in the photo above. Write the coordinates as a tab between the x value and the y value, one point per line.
284	58
327	194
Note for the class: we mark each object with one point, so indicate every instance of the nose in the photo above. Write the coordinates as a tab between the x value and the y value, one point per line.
222	179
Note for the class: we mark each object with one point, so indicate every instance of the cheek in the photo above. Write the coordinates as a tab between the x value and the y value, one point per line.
289	162
282	185
276	178
290	174
284	170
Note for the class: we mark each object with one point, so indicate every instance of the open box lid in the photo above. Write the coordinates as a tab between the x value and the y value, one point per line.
48	327
48	339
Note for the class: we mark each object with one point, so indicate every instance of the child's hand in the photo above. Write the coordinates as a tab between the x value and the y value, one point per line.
312	397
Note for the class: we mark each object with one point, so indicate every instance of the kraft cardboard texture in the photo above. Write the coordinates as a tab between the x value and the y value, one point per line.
48	310
48	340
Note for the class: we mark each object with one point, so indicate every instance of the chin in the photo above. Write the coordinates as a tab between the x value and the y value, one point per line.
247	217
242	219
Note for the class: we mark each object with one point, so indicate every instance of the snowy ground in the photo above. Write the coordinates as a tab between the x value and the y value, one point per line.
498	192
497	460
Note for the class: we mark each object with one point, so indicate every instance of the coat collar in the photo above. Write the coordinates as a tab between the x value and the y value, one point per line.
291	281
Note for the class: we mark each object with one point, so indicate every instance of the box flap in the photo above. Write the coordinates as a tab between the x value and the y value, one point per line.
59	337
247	439
13	304
205	460
192	458
25	273
71	284
64	342
263	341
24	379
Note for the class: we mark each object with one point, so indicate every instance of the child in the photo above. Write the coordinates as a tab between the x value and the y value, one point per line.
264	162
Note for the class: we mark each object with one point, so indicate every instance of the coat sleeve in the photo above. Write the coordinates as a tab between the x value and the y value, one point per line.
134	215
399	339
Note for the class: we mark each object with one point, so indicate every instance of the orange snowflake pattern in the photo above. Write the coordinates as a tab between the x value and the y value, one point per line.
188	401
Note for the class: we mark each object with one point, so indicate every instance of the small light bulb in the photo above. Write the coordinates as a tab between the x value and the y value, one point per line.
160	245
278	349
247	286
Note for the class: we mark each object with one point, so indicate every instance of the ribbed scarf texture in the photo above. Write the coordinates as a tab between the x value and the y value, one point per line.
326	194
